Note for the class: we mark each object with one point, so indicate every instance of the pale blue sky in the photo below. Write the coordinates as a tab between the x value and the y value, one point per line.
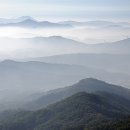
67	9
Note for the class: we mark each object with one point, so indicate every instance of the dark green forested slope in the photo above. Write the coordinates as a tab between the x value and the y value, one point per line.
122	124
82	110
119	124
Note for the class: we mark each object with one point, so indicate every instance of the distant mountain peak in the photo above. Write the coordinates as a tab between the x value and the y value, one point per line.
8	62
92	80
25	17
29	21
56	37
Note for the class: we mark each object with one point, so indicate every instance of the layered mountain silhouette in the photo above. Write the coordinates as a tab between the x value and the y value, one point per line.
89	23
86	85
34	23
57	45
19	80
111	62
27	22
49	86
14	20
97	23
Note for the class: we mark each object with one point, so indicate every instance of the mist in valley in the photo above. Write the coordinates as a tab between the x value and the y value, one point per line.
24	42
36	59
68	73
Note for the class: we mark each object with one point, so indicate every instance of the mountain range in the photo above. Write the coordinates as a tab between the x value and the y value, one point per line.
56	45
52	78
110	62
86	85
14	20
56	83
98	23
27	21
18	78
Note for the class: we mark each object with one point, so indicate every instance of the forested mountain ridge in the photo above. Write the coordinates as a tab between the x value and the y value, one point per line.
86	85
82	109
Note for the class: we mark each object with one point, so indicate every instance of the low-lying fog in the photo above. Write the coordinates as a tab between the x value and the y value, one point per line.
82	34
88	34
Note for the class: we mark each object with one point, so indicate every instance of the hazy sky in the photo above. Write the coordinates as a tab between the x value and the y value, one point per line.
67	9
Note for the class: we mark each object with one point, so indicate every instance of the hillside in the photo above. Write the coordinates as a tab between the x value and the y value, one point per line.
85	85
122	124
80	109
20	80
119	124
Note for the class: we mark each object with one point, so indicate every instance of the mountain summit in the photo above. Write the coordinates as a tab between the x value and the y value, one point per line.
88	85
